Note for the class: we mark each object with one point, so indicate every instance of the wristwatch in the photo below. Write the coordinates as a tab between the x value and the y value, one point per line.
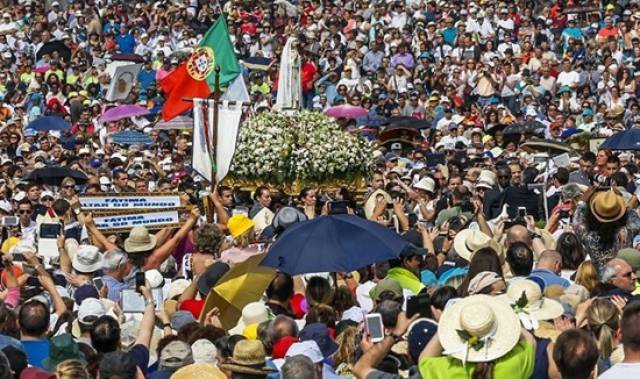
535	235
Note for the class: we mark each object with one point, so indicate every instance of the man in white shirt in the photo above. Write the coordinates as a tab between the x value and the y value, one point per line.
630	330
568	76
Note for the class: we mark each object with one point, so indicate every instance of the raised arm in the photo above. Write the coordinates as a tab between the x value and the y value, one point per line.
161	253
148	318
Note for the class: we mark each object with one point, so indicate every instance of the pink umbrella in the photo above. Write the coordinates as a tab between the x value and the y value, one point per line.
346	111
123	111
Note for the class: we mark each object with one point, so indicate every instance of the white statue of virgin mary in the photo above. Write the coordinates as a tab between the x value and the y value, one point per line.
289	96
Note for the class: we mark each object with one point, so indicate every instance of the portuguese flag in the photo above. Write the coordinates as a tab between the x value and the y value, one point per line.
196	76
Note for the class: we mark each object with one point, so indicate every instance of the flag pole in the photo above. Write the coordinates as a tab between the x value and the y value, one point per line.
215	96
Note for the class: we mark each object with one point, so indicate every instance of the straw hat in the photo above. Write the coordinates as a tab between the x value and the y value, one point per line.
494	324
248	358
469	241
139	240
525	297
199	370
607	206
370	204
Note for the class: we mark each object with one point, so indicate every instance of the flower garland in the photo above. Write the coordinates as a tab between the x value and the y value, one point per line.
310	147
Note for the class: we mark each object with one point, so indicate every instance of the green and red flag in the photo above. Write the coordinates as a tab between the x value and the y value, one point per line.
196	76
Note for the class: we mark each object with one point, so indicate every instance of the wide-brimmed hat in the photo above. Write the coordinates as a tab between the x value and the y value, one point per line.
252	313
525	298
286	217
468	241
607	206
200	371
61	348
426	184
239	224
370	204
87	259
139	240
478	328
248	358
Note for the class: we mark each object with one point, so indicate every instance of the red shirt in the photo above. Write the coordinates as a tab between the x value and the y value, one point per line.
307	77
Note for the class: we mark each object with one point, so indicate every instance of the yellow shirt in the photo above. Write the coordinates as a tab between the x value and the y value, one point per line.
8	244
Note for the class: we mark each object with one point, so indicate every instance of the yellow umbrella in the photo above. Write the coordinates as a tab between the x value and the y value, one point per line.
244	283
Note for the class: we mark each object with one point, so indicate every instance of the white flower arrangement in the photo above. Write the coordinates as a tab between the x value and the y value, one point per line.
306	147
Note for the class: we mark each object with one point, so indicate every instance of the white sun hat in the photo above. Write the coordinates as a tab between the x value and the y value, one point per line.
525	297
492	322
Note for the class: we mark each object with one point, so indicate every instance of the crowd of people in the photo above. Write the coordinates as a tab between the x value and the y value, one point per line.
522	266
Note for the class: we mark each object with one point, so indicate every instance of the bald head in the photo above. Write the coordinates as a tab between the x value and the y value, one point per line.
518	233
550	260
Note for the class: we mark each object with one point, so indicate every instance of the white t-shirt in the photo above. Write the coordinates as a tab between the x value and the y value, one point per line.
570	78
622	371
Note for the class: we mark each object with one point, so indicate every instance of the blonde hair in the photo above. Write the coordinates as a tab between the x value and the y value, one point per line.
245	239
603	318
71	369
587	275
346	347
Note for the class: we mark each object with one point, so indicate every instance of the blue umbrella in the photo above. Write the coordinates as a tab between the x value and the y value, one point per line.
335	243
624	140
373	120
47	123
129	137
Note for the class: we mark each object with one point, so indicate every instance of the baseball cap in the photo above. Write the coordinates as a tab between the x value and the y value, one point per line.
176	354
386	284
90	307
308	348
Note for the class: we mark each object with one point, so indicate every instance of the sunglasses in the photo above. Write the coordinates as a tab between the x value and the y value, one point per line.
68	187
24	212
47	199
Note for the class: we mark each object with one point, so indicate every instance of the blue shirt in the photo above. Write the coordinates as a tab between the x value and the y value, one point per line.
115	287
449	35
36	350
126	42
146	78
548	278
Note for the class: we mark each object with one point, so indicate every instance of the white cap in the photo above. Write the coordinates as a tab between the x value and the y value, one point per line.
154	277
47	193
90	307
105	181
55	3
5	206
121	157
426	184
307	348
87	259
19	195
354	314
204	351
84	150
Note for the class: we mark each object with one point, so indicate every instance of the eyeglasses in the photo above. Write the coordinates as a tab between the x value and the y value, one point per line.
68	187
47	199
24	212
